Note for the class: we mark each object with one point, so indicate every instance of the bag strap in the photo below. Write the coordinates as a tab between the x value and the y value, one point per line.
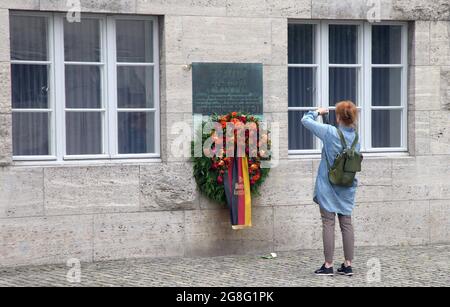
344	143
341	136
355	142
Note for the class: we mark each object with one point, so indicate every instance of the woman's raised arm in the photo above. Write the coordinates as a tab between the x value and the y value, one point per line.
310	122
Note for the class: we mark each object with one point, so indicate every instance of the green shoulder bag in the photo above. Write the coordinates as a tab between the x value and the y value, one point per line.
346	165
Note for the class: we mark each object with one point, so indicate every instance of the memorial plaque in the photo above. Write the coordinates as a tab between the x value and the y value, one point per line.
227	87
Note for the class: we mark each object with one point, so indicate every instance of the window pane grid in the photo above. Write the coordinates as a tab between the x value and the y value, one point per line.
387	111
355	57
84	88
136	112
89	116
31	76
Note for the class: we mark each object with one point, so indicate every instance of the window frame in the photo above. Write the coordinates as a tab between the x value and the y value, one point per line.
57	100
365	81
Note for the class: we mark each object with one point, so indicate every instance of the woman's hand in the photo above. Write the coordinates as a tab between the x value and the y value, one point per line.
323	111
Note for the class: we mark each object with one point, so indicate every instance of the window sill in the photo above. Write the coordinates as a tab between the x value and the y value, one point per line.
367	155
84	163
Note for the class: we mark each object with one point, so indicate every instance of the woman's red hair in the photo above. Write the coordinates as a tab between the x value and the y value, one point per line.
348	112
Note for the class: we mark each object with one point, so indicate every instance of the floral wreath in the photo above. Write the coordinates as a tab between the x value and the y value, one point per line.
209	172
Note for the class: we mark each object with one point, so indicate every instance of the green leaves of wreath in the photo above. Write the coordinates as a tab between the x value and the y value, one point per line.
209	172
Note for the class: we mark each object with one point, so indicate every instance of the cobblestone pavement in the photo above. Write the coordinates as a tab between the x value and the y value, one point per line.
400	266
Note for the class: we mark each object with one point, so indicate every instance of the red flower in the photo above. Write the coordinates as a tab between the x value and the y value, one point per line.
220	180
254	167
234	114
244	119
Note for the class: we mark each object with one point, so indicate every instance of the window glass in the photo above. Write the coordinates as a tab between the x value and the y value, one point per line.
134	41
386	44
386	128
31	134
343	44
136	132
29	38
300	138
82	41
301	44
30	86
135	87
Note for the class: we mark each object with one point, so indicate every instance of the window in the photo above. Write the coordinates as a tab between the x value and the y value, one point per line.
84	90
366	63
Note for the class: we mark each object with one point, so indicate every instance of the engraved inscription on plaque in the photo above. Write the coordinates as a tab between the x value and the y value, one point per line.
227	87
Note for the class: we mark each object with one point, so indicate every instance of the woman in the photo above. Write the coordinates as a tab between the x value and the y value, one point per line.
334	200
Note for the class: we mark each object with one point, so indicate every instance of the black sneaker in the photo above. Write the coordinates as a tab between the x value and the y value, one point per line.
347	271
323	271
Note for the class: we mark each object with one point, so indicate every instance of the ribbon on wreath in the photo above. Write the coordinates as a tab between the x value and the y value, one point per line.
238	194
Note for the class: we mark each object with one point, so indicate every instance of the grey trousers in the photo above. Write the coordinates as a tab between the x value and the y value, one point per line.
348	235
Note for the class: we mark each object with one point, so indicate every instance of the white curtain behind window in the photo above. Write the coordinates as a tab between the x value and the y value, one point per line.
30	86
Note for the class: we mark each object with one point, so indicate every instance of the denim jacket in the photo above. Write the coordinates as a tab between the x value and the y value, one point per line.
332	198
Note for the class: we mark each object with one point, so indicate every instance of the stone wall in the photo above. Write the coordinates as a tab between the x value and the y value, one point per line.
107	211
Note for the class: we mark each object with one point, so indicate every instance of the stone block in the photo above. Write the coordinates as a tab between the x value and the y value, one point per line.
249	8
445	88
182	7
83	190
421	178
20	5
440	132
4	38
207	204
279	42
95	6
173	40
5	139
21	192
168	186
345	9
179	89
5	88
209	233
366	223
373	193
403	223
419	9
226	39
420	54
297	227
382	10
376	172
291	183
290	8
419	129
176	137
138	235
440	43
426	91
275	89
269	8
440	221
392	223
45	240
